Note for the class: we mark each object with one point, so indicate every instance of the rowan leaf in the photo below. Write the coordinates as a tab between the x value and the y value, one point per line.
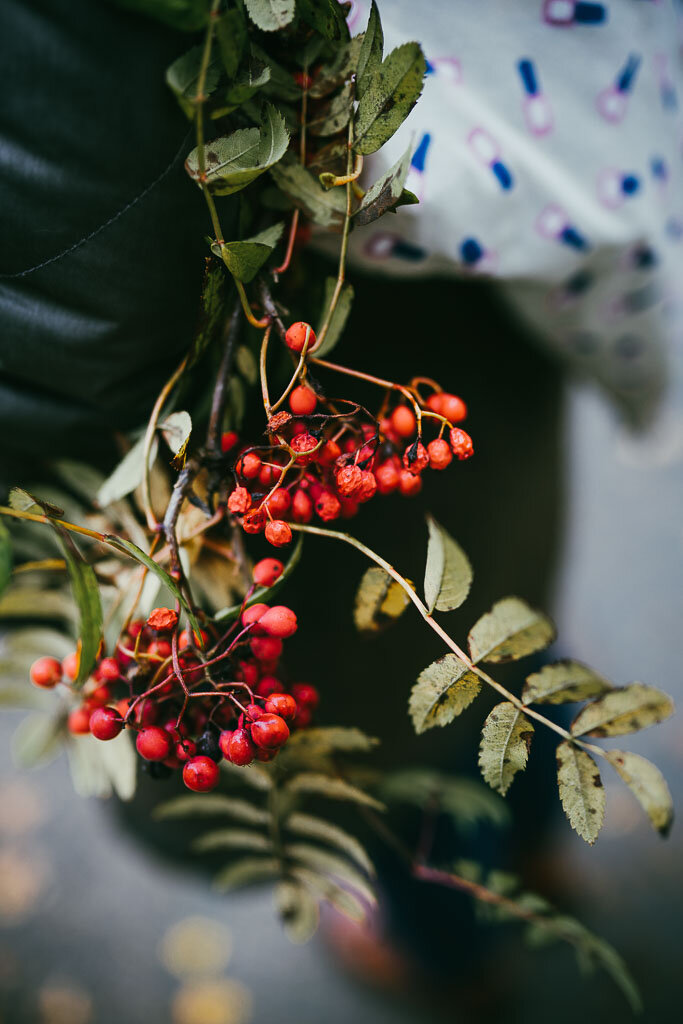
330	864
254	77
391	92
581	790
245	871
334	115
23	501
182	78
231	839
211	805
339	316
442	692
324	831
563	682
511	630
315	783
648	786
119	762
253	775
270	15
297	909
233	161
448	575
327	209
387	194
371	52
380	600
505	741
339	70
624	710
245	259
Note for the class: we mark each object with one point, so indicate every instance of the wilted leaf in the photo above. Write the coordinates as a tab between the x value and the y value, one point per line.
297	909
334	115
270	15
231	839
511	630
581	790
324	208
37	740
245	259
182	77
505	741
176	430
333	788
5	557
339	317
387	194
127	475
467	802
648	786
371	52
624	710
232	36
245	871
448	575
210	805
330	864
318	828
442	691
390	93
86	594
380	600
233	161
326	17
563	682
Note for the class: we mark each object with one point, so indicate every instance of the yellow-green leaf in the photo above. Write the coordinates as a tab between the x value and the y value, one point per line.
211	805
324	831
648	786
563	682
247	870
391	91
504	750
581	790
622	711
231	839
379	601
334	788
511	630
448	575
442	691
297	908
330	864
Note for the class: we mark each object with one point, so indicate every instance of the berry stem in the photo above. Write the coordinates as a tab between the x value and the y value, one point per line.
254	321
290	245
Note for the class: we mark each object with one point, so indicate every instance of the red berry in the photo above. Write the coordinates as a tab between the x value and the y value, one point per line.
461	443
78	721
282	704
108	670
201	774
70	666
403	421
253	711
267	571
270	731
416	458
303	401
349	508
279	502
153	743
228	441
303	446
163	620
387	476
329	453
224	743
46	672
252	615
453	408
348	480
249	466
100	695
266	648
268	685
434	402
279	621
328	506
303	79
302	719
248	672
409	483
239	501
278	533
185	749
296	335
440	454
159	649
368	487
241	750
305	695
302	507
262	754
105	723
268	475
186	638
135	628
254	521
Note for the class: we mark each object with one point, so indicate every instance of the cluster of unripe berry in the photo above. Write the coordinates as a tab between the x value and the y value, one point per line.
326	464
226	701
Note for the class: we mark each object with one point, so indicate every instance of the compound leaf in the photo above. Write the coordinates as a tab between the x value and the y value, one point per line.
209	806
333	788
318	828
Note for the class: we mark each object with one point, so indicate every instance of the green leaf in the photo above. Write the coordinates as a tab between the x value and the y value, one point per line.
622	711
334	115
448	575
318	828
37	740
209	806
231	839
341	899
330	864
86	594
505	741
581	790
511	630
339	70
182	78
442	692
232	36
339	317
264	594
247	84
563	682
23	501
326	209
186	15
211	310
387	193
648	786
270	15
245	259
467	802
371	52
391	93
233	161
176	430
380	600
5	557
297	909
326	17
127	475
314	783
245	871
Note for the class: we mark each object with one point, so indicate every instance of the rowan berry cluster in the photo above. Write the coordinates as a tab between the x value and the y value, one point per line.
191	699
324	462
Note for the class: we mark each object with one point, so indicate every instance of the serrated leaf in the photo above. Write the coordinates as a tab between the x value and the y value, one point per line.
245	871
211	309
182	78
249	81
233	161
231	839
209	806
314	783
386	194
339	317
326	17
318	828
176	430
232	36
326	209
334	115
581	790
330	864
380	600
624	710
505	741
648	786
467	802
86	594
371	52
245	259
297	909
270	15
5	557
448	575
391	92
563	682
511	630
127	475
442	692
